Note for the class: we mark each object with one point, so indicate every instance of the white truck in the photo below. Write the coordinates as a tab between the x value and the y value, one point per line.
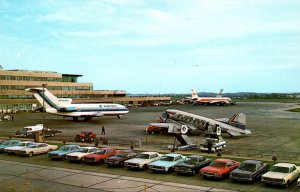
29	130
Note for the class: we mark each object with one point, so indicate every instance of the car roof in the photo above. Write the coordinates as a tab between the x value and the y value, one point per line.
284	164
196	156
71	145
224	160
27	142
149	153
172	155
252	161
38	143
107	148
88	147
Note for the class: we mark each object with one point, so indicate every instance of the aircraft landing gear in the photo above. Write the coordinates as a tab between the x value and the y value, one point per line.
119	116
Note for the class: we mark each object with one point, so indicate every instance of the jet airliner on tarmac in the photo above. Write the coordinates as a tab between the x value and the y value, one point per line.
64	107
218	100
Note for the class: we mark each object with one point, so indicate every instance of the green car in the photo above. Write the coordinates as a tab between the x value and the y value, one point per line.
63	151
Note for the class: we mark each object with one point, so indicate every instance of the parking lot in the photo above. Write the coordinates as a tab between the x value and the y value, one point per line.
273	129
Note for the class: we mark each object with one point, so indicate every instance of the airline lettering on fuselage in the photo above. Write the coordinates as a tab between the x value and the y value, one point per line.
108	106
190	119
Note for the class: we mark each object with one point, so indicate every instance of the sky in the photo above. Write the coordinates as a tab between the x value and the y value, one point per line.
157	46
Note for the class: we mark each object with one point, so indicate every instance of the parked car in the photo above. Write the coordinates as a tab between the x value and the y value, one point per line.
21	145
63	151
36	148
120	158
8	143
142	160
281	174
192	165
83	151
249	170
100	155
219	168
166	163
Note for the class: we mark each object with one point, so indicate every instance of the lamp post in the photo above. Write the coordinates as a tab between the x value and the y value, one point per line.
43	131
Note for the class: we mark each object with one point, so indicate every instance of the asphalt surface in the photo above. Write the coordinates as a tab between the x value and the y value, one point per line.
19	177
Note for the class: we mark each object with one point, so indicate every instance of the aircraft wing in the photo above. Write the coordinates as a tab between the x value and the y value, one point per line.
233	133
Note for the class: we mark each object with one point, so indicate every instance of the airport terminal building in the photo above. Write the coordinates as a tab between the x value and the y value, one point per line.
14	82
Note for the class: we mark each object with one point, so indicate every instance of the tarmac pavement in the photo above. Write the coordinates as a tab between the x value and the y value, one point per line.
21	177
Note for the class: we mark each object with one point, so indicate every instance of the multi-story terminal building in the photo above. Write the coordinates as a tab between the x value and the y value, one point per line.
14	82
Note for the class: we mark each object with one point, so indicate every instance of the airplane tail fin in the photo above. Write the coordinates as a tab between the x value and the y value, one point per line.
45	97
220	94
238	120
194	94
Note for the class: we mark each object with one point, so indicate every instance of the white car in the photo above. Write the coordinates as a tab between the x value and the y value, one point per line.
281	174
142	160
22	145
36	148
83	151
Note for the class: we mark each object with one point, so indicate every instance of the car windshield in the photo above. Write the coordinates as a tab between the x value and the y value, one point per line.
100	152
167	158
82	150
5	143
122	155
280	169
21	144
218	164
32	146
64	148
191	160
142	156
248	167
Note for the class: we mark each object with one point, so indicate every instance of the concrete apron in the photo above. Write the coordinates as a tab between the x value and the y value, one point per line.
89	180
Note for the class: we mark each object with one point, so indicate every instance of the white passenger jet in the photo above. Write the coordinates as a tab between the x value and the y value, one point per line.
235	126
64	107
218	100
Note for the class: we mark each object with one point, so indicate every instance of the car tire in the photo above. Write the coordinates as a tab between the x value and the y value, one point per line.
145	167
30	154
287	184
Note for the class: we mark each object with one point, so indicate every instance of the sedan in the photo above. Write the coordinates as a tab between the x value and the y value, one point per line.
192	165
100	155
249	171
63	151
36	148
166	163
219	168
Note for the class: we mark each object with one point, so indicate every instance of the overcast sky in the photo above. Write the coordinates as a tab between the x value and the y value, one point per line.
157	46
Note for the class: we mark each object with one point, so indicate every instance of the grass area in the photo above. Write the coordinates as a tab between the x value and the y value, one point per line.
173	177
294	110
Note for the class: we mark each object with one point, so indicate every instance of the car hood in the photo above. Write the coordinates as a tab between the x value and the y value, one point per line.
137	160
275	175
59	152
163	163
213	169
78	154
116	158
183	164
238	171
3	146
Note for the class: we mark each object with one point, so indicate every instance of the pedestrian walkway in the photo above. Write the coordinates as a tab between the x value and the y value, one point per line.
17	177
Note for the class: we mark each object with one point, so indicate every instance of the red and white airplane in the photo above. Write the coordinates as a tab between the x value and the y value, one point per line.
218	100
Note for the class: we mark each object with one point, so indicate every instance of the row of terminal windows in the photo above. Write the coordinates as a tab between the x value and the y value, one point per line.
59	96
26	78
64	88
15	107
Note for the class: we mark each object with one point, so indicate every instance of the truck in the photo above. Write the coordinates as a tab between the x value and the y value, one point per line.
29	130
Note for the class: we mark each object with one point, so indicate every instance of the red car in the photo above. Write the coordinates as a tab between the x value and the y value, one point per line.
219	168
100	155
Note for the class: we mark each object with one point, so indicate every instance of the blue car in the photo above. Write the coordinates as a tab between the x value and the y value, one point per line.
63	151
166	163
8	143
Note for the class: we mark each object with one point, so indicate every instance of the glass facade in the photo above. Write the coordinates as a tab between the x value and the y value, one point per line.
26	78
65	88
